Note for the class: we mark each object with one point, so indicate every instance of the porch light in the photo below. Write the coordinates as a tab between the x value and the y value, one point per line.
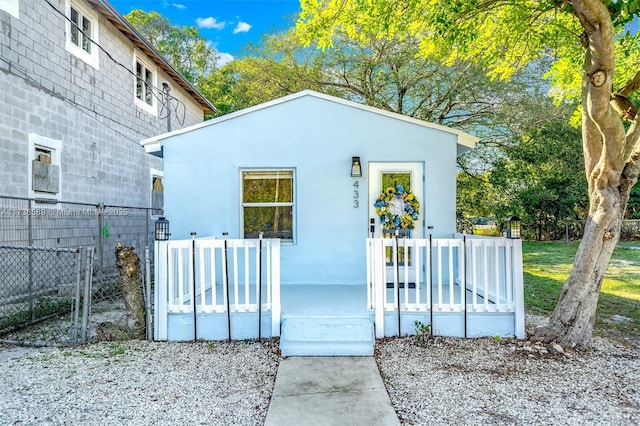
513	227
356	168
162	229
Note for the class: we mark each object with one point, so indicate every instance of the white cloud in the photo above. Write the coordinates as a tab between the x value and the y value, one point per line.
242	27
224	58
179	6
210	22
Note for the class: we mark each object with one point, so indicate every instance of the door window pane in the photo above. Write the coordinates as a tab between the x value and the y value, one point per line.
393	179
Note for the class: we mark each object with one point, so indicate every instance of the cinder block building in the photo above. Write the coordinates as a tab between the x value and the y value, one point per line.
79	89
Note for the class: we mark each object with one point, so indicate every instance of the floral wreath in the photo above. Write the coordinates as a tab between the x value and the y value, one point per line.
397	208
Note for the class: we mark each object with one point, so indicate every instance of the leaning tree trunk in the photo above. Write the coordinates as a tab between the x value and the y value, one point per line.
571	323
128	264
611	156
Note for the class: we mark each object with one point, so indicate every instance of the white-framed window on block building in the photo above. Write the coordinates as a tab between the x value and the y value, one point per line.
82	32
144	84
44	168
157	192
268	203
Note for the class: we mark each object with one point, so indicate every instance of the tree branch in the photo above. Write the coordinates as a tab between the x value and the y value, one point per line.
630	86
632	151
621	102
597	92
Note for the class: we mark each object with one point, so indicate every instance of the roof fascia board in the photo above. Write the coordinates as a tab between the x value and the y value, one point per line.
129	31
464	138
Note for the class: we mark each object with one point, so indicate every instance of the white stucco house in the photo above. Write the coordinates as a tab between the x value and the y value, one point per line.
284	171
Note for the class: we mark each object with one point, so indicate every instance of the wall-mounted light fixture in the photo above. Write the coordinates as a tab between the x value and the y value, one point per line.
513	227
162	229
356	167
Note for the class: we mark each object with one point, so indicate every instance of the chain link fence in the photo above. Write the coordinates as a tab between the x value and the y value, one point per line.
37	286
572	230
45	269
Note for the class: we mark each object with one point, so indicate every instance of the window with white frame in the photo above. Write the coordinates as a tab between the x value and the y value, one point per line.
82	32
145	82
44	165
157	192
268	203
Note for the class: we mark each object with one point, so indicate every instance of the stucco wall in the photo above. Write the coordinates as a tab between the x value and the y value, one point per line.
46	91
317	138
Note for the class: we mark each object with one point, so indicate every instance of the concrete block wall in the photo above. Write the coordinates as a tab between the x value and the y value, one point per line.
45	90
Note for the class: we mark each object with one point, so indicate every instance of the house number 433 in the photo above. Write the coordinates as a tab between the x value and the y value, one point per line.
356	195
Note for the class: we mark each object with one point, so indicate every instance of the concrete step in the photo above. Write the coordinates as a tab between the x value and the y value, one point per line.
315	336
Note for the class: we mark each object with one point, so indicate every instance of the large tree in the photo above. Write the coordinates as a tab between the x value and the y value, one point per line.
533	173
504	36
183	46
387	74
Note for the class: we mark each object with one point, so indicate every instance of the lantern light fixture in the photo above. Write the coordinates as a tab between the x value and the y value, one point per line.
513	227
356	167
162	229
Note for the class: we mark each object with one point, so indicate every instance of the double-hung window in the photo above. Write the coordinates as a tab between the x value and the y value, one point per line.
268	203
82	32
145	81
157	192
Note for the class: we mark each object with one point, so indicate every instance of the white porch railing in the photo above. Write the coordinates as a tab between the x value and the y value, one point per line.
462	274
216	276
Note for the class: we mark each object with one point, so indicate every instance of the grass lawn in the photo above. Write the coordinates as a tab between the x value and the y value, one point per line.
547	266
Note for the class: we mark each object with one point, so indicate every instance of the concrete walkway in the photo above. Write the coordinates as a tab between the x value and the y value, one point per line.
328	391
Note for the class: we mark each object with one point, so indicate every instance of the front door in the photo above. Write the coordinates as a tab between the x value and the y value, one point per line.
396	196
387	177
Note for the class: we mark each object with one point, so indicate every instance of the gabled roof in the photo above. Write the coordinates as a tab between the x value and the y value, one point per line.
118	21
153	145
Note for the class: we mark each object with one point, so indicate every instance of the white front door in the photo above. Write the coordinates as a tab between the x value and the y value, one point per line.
385	175
388	177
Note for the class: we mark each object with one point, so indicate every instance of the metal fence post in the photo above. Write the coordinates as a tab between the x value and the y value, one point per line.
147	299
260	287
30	259
193	286
76	303
87	295
101	234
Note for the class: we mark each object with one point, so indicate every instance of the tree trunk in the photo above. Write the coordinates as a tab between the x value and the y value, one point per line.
571	323
128	264
611	165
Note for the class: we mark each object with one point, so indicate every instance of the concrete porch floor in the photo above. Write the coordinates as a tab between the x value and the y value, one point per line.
299	300
316	300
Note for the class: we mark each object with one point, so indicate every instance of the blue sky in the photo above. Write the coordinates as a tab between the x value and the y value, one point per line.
228	24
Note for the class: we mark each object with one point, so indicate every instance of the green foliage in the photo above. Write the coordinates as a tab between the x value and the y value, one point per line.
504	37
633	205
535	173
182	46
42	308
422	331
387	74
116	349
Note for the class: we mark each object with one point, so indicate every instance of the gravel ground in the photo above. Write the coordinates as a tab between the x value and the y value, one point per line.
441	381
483	381
136	383
508	382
